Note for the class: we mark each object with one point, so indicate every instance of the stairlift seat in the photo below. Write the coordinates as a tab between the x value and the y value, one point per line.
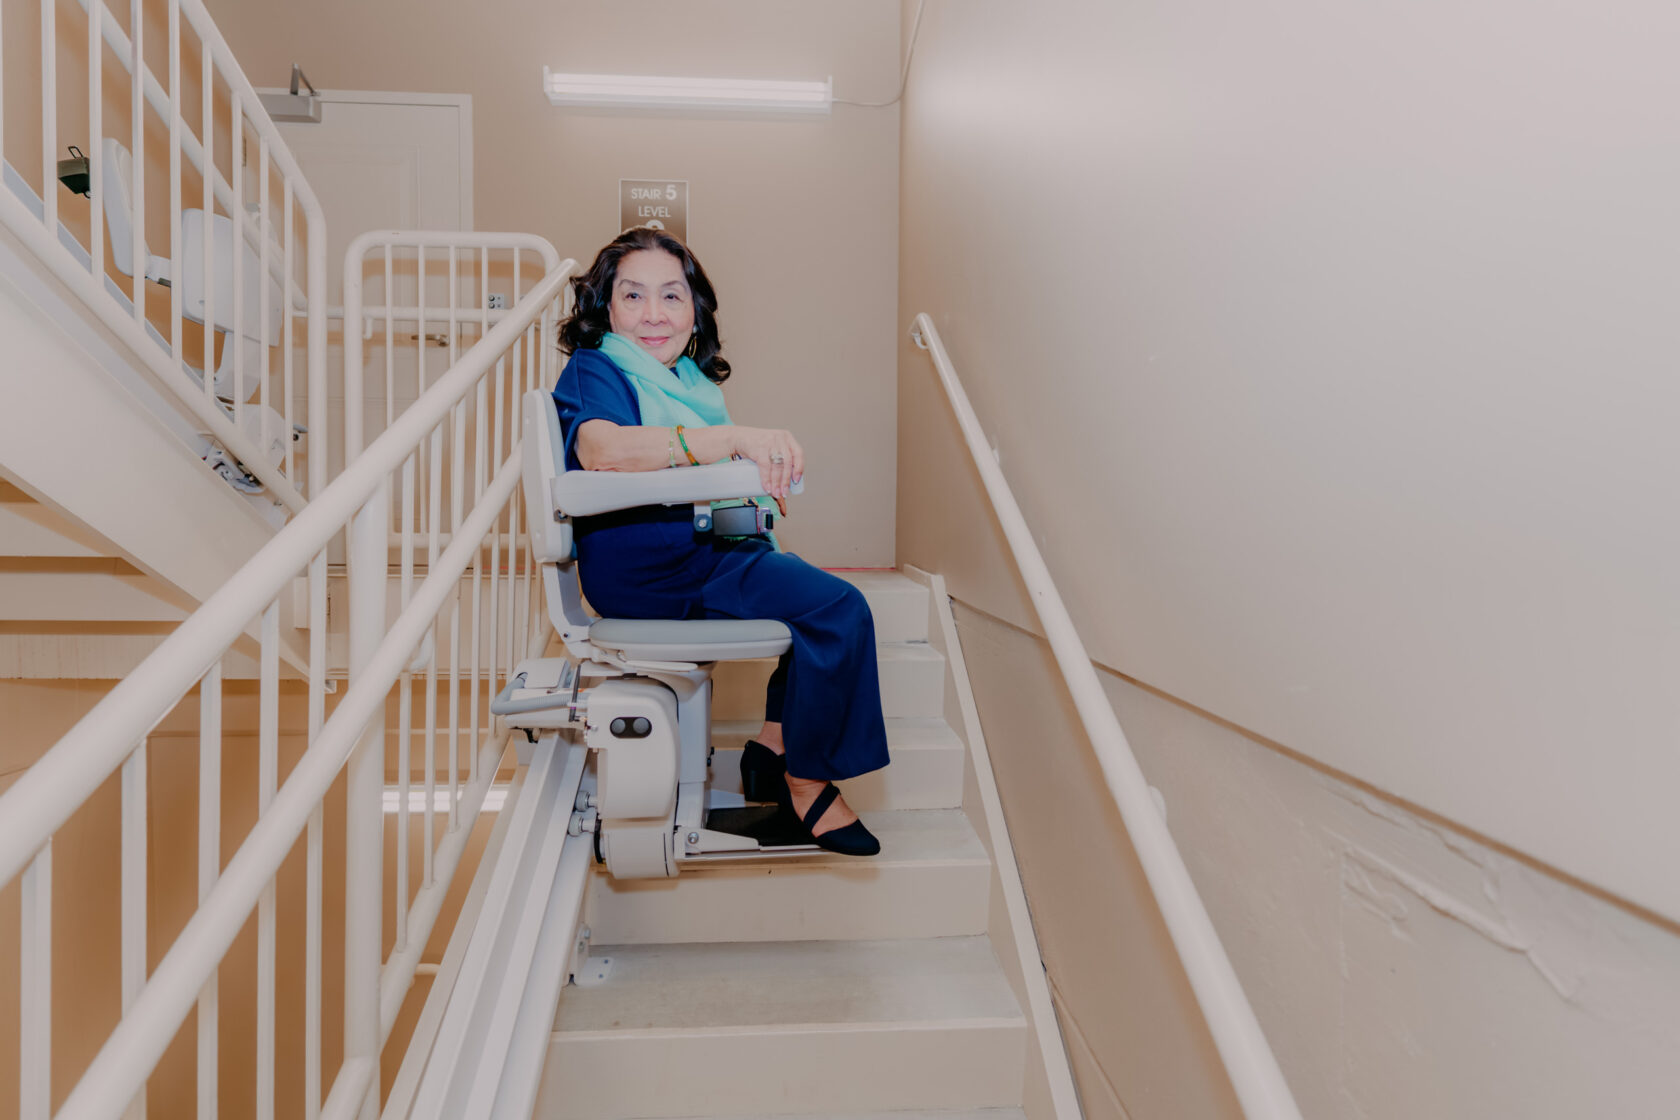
641	689
261	304
700	640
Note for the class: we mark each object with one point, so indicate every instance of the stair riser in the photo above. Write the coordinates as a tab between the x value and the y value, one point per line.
787	903
911	687
747	1072
899	605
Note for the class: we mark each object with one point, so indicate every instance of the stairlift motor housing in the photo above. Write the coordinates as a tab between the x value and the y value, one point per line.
640	689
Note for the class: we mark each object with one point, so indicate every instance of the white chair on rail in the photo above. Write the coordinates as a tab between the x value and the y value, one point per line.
239	370
640	689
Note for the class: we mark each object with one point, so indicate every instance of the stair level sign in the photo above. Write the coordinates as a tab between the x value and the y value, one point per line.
659	203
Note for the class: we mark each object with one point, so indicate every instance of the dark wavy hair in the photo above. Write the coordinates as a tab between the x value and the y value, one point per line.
591	318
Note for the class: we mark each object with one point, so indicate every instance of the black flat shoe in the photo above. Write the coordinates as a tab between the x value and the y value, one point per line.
762	771
851	840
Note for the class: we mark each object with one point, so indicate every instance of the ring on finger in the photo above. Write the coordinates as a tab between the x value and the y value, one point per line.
778	459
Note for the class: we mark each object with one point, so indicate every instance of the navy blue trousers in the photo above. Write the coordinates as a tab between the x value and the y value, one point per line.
826	691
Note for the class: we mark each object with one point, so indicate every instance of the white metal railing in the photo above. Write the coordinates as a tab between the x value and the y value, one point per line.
1259	1083
484	520
234	257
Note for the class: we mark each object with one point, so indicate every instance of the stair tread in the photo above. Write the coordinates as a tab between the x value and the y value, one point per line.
791	984
961	1114
881	579
908	836
906	652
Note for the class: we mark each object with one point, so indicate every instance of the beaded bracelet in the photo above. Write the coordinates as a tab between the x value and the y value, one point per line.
671	449
692	461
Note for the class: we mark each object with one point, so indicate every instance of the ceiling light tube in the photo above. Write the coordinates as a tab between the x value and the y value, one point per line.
627	91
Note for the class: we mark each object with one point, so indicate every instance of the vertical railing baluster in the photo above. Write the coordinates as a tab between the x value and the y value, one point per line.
532	349
264	327
481	452
287	316
236	253
315	332
513	654
211	366
134	831
49	117
390	342
175	288
405	704
96	145
457	481
312	904
523	613
426	525
35	997
364	843
496	458
268	781
434	521
312	973
209	870
137	153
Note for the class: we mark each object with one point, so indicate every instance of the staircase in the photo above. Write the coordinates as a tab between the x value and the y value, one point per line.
111	527
827	986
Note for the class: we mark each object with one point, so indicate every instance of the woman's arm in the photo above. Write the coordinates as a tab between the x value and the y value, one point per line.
605	446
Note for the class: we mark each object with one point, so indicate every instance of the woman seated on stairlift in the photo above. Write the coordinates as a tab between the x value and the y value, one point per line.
641	393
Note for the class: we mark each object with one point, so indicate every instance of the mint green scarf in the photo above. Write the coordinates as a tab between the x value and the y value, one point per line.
668	397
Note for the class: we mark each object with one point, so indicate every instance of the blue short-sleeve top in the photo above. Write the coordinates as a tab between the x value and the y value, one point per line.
591	387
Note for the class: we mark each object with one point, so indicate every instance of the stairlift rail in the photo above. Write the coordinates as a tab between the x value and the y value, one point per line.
113	735
1255	1076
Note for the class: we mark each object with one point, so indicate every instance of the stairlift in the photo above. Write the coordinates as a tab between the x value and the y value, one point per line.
640	690
242	332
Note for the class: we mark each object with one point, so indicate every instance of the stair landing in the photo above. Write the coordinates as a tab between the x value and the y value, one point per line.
787	1028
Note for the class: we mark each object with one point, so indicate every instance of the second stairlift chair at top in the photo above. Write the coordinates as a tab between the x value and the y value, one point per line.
640	689
209	300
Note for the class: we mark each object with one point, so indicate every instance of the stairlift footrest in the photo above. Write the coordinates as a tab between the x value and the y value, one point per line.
539	695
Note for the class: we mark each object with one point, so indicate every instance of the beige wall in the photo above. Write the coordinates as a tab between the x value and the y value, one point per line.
794	219
1328	352
1401	968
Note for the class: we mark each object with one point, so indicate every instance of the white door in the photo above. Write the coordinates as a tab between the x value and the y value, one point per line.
386	161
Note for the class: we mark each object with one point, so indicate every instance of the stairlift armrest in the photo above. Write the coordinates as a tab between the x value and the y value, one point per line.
586	493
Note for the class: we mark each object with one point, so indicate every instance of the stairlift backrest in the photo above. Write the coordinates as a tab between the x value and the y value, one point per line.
554	495
116	174
541	451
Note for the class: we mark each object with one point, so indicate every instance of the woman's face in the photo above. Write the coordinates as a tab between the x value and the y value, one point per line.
651	304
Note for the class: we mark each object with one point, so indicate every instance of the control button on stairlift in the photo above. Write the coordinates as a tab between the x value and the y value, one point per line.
635	727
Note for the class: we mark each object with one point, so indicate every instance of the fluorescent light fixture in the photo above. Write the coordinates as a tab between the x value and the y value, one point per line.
625	91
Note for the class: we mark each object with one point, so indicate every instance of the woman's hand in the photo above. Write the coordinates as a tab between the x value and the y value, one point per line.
780	459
